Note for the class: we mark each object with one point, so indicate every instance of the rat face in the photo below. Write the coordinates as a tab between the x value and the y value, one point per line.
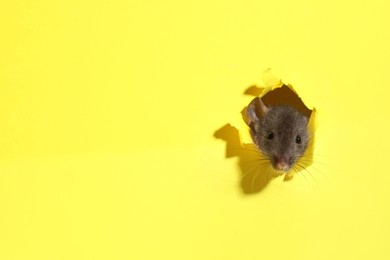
280	132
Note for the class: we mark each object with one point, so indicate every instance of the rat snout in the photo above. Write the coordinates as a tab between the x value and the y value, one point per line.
282	164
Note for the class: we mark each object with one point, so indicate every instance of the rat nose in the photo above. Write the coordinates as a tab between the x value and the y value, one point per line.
282	164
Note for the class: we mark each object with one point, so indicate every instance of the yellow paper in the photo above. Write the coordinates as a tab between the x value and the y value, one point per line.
108	111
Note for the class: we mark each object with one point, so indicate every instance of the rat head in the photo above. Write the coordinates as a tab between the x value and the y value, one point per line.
279	131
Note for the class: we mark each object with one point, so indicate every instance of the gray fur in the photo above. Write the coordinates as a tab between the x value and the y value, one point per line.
286	123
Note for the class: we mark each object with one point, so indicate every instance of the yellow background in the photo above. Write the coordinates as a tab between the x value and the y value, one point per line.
107	116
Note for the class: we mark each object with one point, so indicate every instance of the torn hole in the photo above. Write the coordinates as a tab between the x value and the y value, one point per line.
255	174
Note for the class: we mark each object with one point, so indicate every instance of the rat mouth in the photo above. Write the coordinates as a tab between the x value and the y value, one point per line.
282	165
281	170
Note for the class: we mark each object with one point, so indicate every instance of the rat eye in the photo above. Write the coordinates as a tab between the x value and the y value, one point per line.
298	139
270	136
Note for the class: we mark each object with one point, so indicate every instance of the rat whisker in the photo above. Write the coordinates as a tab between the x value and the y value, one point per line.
265	154
266	177
252	160
298	170
264	164
256	161
304	168
254	178
300	173
271	173
315	161
252	168
252	148
295	169
314	168
308	162
249	171
255	165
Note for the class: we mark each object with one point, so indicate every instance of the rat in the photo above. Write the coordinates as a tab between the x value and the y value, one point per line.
280	132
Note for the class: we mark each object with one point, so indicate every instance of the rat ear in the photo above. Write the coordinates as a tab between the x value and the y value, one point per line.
255	110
